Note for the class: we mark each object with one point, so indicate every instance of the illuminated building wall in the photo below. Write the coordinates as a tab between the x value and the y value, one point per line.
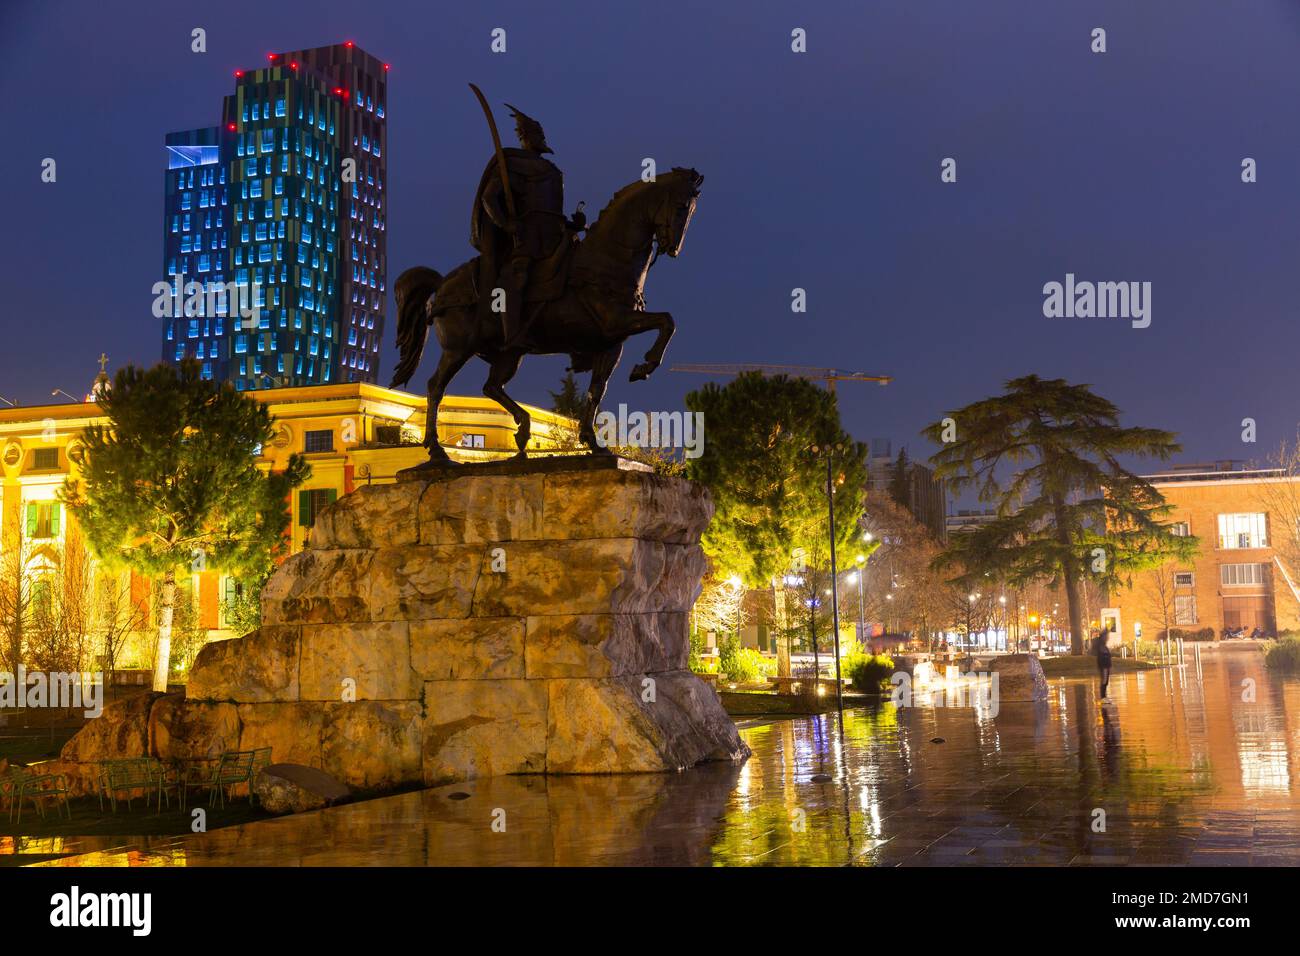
302	146
352	434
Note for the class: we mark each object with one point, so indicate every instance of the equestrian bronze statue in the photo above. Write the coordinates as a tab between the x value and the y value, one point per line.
537	288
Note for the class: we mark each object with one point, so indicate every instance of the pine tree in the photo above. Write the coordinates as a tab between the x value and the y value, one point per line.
768	486
569	400
171	482
1069	508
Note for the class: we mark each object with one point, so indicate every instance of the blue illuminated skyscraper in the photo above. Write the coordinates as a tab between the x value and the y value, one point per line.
296	221
195	240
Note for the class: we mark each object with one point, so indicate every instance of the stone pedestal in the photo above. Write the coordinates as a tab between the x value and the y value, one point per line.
463	626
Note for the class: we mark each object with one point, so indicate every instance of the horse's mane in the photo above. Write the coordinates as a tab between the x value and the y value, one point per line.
632	190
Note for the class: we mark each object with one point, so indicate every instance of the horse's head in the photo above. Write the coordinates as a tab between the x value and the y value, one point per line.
681	189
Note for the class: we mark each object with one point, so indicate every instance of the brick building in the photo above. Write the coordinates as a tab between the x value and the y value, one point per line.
1239	578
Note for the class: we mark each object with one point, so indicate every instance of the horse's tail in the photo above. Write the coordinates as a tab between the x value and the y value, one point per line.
413	290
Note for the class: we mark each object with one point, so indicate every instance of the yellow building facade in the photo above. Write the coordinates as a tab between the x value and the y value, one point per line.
351	434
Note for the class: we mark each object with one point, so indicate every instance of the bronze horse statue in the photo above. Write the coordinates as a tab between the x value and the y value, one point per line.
599	305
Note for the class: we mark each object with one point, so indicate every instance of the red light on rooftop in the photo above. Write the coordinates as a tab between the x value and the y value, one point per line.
348	43
239	73
231	127
270	56
293	65
338	90
385	66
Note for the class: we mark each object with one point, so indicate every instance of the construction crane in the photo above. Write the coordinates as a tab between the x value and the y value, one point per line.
828	375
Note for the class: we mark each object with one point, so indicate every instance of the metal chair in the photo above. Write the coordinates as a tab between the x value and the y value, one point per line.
24	783
132	774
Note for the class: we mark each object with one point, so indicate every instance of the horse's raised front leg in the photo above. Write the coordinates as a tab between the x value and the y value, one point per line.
503	369
663	323
602	367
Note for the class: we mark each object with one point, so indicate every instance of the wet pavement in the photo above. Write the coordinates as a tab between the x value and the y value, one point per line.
1181	767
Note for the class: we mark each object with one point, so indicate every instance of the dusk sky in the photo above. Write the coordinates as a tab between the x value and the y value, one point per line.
822	171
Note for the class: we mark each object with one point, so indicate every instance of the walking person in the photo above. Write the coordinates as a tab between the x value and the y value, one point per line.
1102	650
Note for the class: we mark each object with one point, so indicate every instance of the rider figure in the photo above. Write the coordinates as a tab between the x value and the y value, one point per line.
509	246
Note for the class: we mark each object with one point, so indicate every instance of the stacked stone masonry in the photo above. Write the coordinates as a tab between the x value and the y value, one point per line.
467	626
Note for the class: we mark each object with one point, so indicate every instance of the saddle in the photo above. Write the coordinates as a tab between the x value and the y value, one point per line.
546	279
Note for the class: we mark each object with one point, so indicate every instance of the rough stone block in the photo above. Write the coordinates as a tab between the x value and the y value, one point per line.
606	645
293	788
477	648
377	657
624	504
1020	677
372	745
187	728
423	582
292	730
121	730
372	516
594	576
260	666
315	586
610	725
483	728
481	509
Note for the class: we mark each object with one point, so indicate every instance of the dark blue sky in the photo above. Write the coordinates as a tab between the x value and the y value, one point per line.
821	171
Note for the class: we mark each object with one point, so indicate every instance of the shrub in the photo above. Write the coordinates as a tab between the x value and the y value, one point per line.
1284	655
1149	650
697	650
868	673
741	665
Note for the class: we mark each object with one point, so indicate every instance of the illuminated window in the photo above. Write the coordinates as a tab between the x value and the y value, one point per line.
43	519
45	458
1237	575
1246	530
319	441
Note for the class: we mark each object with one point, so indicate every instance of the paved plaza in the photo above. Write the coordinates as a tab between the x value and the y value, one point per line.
1185	770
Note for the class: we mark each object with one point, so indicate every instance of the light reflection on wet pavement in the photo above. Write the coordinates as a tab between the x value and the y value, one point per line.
1185	770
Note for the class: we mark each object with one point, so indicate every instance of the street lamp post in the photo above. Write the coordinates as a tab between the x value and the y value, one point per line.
1002	600
861	561
970	607
835	587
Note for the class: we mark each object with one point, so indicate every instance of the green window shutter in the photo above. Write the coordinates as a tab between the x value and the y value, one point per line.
31	520
56	510
304	508
331	496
